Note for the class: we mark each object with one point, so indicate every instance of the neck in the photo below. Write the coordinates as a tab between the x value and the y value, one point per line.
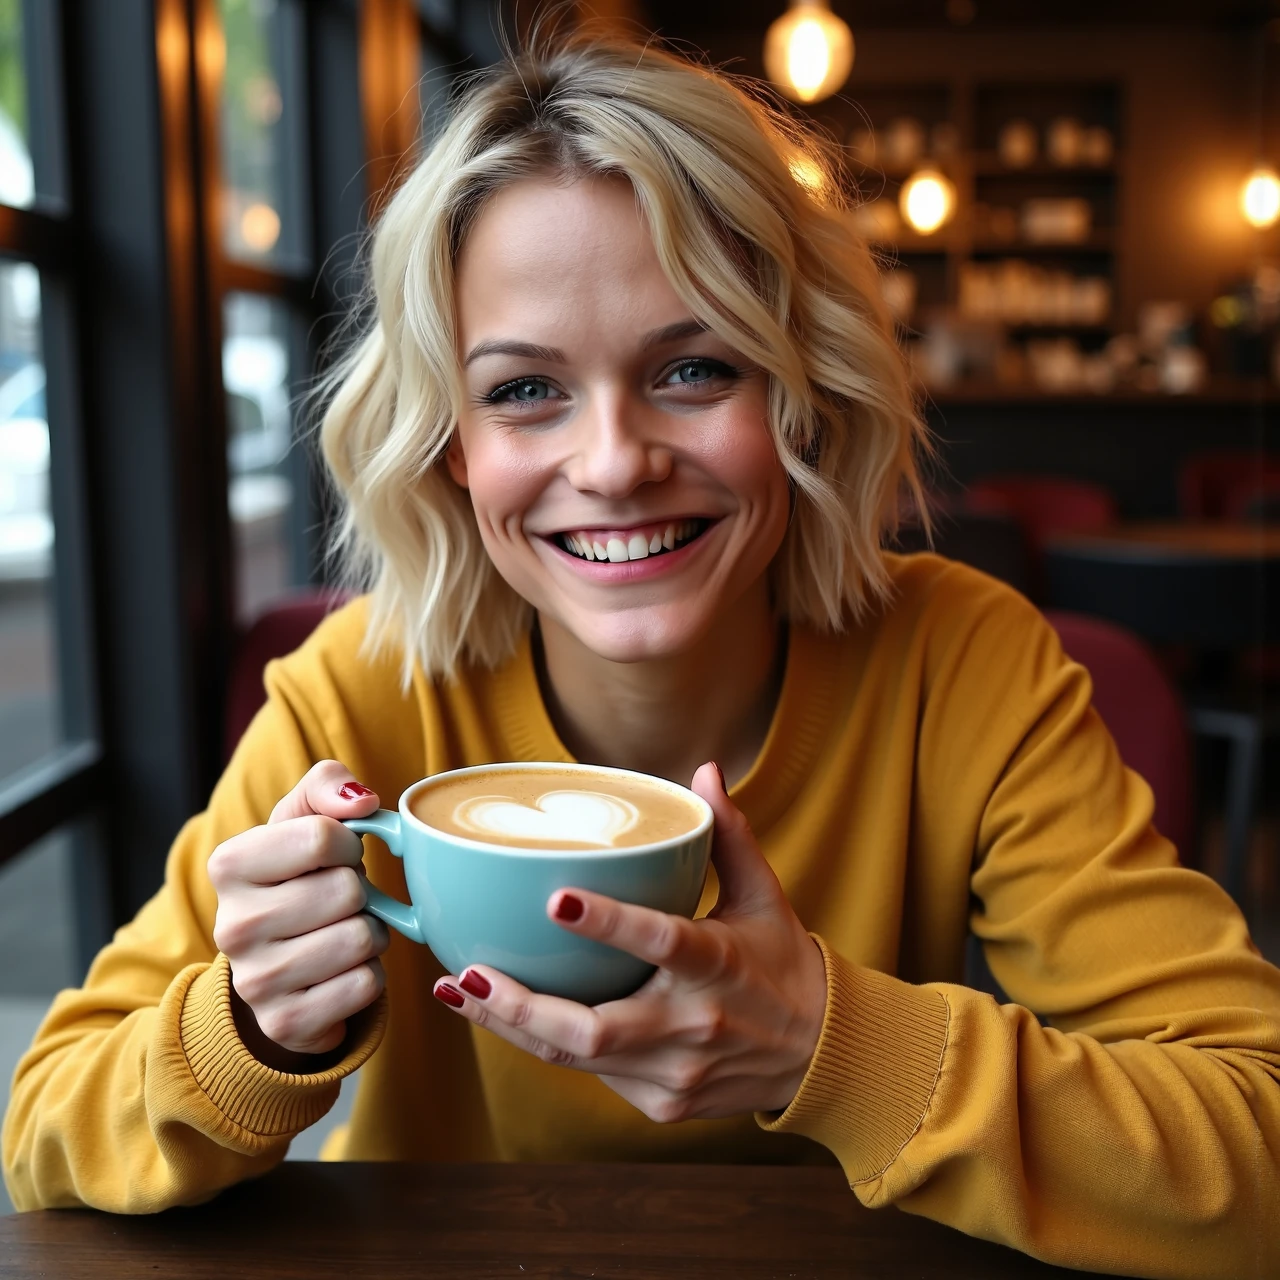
668	716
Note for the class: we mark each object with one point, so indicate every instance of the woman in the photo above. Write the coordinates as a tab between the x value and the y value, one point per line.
617	456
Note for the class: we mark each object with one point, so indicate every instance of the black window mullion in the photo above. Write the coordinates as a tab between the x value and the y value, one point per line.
34	236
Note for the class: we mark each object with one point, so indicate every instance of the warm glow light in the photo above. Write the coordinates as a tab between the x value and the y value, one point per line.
927	200
808	52
260	227
1260	198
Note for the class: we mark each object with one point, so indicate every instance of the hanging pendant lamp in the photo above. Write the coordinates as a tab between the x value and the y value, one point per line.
808	51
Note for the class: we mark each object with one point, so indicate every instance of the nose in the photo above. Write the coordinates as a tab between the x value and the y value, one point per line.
613	454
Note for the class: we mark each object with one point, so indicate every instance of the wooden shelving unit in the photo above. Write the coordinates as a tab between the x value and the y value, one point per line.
961	122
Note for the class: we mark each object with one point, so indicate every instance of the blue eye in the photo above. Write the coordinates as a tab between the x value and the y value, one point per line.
521	391
692	373
529	390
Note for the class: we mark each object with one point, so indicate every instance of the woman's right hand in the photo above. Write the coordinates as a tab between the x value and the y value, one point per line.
291	919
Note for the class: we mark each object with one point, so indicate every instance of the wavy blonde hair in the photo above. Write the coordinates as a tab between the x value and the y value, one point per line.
751	227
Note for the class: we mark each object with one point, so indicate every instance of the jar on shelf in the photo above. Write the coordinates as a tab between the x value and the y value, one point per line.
1064	141
1017	144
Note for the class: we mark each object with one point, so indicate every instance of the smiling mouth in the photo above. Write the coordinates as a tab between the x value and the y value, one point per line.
652	540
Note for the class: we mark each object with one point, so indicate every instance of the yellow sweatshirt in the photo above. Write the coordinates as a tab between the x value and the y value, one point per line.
936	770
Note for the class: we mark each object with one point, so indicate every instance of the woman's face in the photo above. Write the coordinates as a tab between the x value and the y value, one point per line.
618	455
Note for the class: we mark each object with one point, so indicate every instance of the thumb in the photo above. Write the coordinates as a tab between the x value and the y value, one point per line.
747	882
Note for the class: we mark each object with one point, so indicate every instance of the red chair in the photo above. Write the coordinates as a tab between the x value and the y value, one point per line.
1044	505
1211	484
279	630
1255	500
1141	708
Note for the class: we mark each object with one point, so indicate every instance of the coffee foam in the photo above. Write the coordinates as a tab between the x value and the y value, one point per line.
546	807
591	818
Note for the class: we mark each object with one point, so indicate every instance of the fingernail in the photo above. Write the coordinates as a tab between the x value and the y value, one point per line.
475	984
354	791
720	775
569	908
450	996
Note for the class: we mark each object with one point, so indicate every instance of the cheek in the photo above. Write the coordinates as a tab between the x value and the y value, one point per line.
503	480
744	459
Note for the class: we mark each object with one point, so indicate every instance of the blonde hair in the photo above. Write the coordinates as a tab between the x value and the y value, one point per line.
749	222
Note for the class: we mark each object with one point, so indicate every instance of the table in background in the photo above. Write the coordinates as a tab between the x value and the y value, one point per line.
676	1222
1209	587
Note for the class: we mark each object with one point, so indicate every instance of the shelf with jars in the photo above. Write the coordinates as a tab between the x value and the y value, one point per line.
1024	262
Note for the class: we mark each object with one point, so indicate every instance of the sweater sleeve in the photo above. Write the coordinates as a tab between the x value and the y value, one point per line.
137	1093
1133	1127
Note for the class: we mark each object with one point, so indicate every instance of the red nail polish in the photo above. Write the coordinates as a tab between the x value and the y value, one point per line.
720	775
475	984
450	996
569	908
354	791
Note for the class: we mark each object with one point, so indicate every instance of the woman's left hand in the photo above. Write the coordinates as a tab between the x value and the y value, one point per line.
727	1024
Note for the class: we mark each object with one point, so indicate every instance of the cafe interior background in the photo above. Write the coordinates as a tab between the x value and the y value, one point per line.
1076	205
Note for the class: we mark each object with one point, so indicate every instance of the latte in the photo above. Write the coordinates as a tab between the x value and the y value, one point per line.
549	808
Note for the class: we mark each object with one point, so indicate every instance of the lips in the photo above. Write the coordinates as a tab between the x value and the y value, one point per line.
639	543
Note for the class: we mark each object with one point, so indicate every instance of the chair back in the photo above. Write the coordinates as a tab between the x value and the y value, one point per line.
276	632
1209	484
1255	500
1142	710
993	543
1045	505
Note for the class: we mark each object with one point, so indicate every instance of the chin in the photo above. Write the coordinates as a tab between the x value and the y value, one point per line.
641	635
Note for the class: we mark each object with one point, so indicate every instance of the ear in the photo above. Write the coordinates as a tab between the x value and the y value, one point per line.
456	461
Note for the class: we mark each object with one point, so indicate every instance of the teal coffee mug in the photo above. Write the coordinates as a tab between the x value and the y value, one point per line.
484	848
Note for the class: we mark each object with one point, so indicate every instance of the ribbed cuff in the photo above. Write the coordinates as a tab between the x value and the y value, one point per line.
248	1093
873	1073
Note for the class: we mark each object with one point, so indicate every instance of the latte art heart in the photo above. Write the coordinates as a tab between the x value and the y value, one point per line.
577	818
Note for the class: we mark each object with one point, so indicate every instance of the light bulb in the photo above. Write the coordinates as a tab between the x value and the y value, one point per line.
1260	198
260	227
808	52
927	200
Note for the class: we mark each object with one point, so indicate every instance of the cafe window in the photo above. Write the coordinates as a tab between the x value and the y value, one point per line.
266	247
49	749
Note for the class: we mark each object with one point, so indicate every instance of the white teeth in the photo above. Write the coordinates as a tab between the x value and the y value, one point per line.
636	547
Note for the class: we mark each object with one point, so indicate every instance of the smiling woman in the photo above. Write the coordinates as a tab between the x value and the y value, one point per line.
616	455
608	225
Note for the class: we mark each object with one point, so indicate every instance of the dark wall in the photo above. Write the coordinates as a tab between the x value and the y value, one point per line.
1132	447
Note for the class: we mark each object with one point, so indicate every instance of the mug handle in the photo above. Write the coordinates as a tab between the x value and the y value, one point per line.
385	824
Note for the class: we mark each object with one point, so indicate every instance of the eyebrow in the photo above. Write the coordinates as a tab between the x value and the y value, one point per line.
553	355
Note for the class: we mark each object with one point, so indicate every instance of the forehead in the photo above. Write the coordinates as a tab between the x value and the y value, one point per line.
564	257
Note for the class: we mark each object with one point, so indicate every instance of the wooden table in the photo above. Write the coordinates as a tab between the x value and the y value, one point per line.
1208	586
514	1221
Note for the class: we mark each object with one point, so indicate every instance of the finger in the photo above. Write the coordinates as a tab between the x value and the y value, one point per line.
514	1028
312	1021
578	1035
273	854
310	902
747	881
295	964
329	788
671	942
